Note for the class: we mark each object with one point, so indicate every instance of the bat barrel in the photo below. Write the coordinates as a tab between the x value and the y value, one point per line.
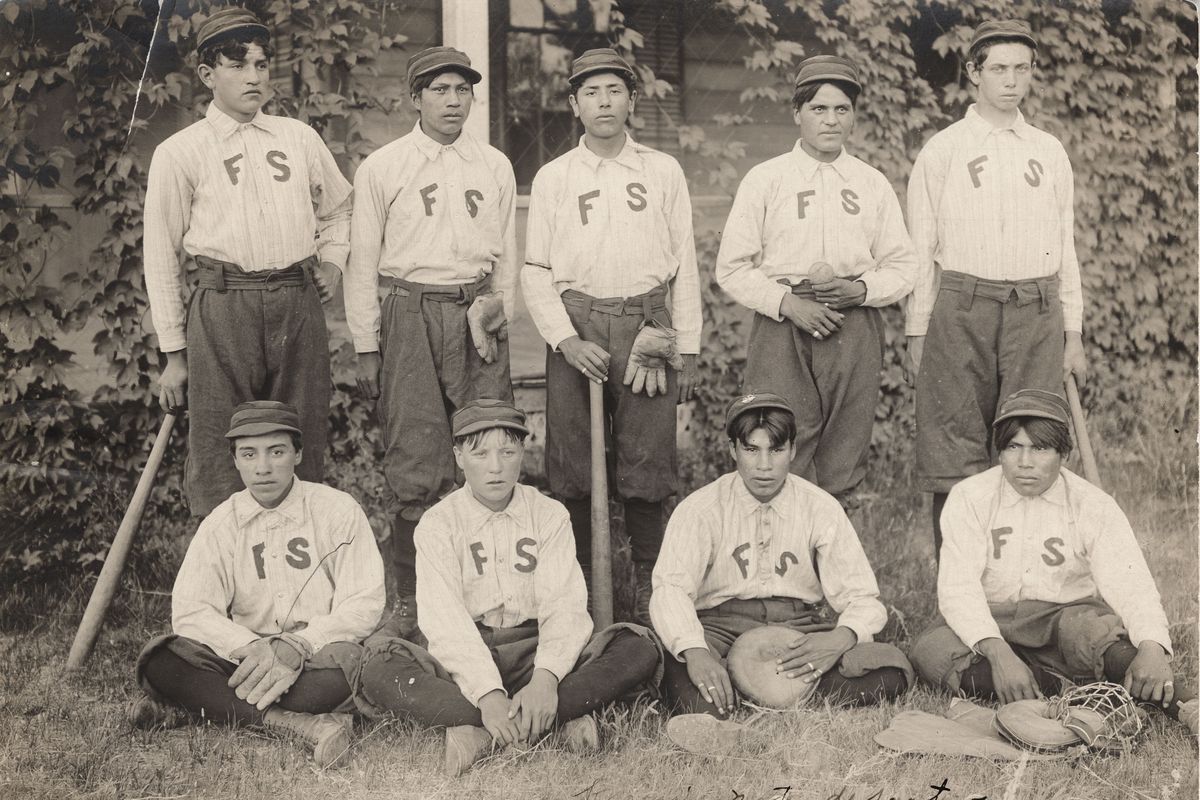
114	563
602	591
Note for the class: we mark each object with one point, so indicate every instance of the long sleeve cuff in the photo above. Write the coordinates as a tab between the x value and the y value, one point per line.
1139	633
863	628
366	343
334	253
556	663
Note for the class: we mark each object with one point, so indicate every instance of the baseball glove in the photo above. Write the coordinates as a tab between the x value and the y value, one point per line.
653	350
487	323
704	734
751	663
1032	725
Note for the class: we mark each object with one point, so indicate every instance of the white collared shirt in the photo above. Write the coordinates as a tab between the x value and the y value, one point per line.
610	227
996	203
500	569
793	211
309	566
262	194
721	543
1071	542
429	213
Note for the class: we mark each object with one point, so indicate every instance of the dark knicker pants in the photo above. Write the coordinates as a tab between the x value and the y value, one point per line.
986	340
184	672
868	673
402	678
1082	641
252	336
430	369
639	430
832	385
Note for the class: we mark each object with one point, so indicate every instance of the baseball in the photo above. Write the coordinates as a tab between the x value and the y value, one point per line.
821	272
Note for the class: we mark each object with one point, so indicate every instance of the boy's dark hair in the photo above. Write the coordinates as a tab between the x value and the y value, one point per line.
808	91
978	53
630	83
425	81
1042	432
297	442
235	48
779	425
471	440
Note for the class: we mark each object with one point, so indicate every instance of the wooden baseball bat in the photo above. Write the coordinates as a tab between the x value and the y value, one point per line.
602	591
1081	435
114	563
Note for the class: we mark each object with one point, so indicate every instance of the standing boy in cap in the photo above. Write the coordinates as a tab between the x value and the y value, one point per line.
505	650
278	588
998	304
761	546
434	223
815	244
258	202
1041	577
610	267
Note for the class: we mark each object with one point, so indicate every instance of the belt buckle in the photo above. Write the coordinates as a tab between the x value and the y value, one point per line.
269	283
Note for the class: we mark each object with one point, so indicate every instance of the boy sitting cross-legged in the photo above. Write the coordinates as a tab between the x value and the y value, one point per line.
504	651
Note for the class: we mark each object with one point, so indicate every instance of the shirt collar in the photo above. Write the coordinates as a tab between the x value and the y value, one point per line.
981	128
226	126
464	145
809	166
748	504
477	513
246	508
1056	494
630	155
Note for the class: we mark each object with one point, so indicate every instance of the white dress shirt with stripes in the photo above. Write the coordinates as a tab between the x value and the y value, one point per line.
309	566
429	213
610	227
996	203
1071	542
499	569
793	211
262	194
721	543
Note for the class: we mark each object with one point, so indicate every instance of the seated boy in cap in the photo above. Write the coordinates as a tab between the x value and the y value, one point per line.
1041	577
610	267
258	202
435	224
505	650
761	546
279	586
816	245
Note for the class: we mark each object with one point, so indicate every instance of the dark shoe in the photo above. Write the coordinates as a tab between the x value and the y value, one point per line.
403	621
642	573
328	734
465	744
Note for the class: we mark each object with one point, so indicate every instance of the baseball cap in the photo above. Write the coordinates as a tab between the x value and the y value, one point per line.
227	22
599	59
442	59
827	68
1003	29
480	415
1034	403
750	402
263	416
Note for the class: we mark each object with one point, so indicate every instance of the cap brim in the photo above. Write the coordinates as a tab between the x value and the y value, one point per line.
488	424
1029	40
583	73
1027	412
258	429
756	407
474	76
256	27
830	79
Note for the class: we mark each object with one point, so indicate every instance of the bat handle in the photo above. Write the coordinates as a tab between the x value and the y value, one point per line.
1090	471
602	592
114	562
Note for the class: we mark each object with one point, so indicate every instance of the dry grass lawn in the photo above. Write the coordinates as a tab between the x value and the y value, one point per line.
67	737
